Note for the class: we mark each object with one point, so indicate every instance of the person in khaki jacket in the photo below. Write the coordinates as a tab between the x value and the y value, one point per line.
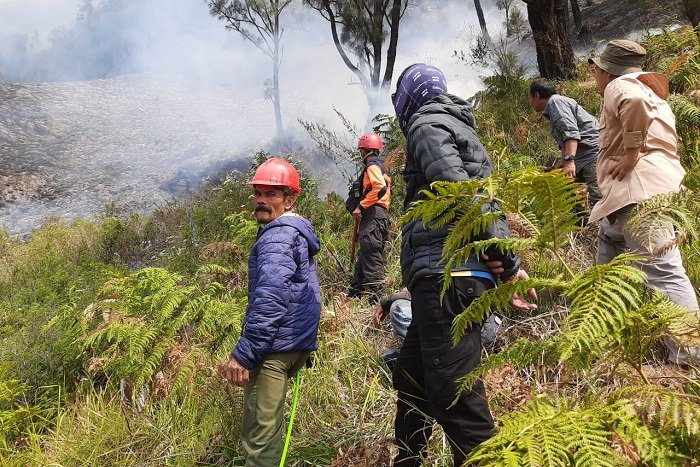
638	159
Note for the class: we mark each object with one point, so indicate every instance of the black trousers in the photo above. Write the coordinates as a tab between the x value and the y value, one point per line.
587	175
369	269
427	370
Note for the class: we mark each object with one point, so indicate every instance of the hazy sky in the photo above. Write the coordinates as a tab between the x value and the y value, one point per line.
185	38
36	16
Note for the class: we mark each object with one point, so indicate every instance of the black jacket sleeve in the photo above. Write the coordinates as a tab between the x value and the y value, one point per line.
499	229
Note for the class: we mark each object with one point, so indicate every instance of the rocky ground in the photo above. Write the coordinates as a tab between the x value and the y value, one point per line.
604	20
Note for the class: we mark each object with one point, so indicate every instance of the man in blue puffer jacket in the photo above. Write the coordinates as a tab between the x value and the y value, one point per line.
441	145
284	309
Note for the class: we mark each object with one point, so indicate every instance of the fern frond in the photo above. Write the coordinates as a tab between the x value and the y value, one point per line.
687	113
165	304
553	199
600	298
652	447
444	202
114	334
551	432
186	373
657	219
150	280
516	191
670	409
213	270
589	443
140	341
497	300
648	416
521	354
468	228
152	362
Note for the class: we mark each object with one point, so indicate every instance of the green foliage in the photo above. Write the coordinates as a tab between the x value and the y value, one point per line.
554	431
149	323
53	271
125	241
243	230
662	47
14	415
665	215
167	328
687	115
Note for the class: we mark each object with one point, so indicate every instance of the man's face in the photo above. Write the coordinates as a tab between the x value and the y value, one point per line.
535	101
602	78
270	203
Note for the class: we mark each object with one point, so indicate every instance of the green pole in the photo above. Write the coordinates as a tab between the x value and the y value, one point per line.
295	402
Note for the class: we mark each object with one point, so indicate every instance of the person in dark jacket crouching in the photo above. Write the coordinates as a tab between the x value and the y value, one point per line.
442	144
284	308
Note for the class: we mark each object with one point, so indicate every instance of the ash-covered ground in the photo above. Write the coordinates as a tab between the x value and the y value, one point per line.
69	149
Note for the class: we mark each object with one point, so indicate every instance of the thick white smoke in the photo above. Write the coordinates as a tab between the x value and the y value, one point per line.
122	98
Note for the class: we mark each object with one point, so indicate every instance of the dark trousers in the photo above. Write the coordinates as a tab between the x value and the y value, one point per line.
427	371
587	175
369	269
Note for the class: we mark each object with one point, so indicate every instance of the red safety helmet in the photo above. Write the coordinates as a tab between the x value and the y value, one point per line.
371	141
277	172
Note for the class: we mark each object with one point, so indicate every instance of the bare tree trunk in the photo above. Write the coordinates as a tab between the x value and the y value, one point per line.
336	40
576	12
506	7
377	40
276	62
394	20
692	11
555	56
480	15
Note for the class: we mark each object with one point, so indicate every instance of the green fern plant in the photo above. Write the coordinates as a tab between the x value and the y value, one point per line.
151	329
687	115
612	317
638	424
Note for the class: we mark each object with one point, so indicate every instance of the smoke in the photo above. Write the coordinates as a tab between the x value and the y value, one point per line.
76	40
122	100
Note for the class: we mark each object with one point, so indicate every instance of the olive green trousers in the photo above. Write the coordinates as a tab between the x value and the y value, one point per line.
263	407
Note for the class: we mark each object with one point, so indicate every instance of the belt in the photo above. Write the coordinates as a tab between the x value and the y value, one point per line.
481	274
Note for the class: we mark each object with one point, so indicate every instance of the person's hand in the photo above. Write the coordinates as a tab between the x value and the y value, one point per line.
569	169
518	301
496	267
357	213
234	373
622	165
379	315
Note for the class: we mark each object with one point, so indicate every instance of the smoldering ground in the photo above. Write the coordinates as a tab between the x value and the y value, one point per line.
132	103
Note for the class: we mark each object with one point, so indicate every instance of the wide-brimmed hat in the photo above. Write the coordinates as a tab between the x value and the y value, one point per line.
620	57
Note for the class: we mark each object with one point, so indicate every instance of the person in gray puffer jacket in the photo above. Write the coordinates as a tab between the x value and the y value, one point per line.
442	145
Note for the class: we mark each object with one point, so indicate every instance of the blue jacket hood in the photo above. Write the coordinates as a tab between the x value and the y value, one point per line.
301	224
